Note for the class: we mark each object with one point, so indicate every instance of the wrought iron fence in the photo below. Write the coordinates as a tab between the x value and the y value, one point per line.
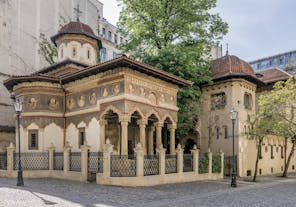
228	164
95	162
123	165
170	164
32	161
58	163
75	161
216	163
3	160
151	165
187	163
203	164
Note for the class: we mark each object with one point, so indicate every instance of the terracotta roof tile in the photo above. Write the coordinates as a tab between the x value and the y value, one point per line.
230	65
273	75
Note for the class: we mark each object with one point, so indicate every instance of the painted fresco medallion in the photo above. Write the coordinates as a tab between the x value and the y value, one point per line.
131	88
81	101
152	98
70	103
92	98
116	89
53	104
105	92
142	92
32	103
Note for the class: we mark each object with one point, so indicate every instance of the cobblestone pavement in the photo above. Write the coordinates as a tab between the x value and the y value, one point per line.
271	192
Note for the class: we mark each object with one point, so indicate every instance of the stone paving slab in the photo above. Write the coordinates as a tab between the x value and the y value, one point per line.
51	192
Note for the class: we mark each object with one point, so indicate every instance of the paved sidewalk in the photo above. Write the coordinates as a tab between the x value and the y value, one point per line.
50	192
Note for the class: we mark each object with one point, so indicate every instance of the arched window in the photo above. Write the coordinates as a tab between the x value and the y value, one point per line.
74	52
217	132
225	132
248	101
88	54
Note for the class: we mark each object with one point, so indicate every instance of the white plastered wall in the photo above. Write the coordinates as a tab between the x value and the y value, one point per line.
53	134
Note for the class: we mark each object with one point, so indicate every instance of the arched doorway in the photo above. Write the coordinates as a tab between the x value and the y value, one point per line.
133	132
189	145
112	130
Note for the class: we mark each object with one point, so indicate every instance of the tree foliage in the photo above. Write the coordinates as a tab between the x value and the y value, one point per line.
175	36
280	105
47	50
259	127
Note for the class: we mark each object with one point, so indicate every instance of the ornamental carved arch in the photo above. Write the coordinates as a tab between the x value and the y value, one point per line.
110	108
168	118
136	110
155	113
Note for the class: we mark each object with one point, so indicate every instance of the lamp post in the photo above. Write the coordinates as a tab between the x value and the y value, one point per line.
18	106
233	116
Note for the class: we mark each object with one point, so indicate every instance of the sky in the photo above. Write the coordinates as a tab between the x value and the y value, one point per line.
257	28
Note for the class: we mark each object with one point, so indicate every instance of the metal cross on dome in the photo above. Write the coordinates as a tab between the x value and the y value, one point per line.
78	12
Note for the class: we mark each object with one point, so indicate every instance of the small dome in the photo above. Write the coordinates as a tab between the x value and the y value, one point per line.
230	65
76	28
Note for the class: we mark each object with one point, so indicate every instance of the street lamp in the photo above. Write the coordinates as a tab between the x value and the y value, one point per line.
18	106
233	116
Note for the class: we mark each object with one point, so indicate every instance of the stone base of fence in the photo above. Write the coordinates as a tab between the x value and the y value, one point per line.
74	176
157	179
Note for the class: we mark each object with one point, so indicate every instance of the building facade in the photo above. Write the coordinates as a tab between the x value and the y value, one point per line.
122	99
284	61
237	86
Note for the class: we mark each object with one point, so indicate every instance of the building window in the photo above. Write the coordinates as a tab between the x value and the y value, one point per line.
62	53
115	38
225	132
271	152
109	35
260	152
103	54
81	136
260	171
218	101
248	101
33	139
217	132
271	170
74	52
282	152
104	32
121	40
88	54
115	55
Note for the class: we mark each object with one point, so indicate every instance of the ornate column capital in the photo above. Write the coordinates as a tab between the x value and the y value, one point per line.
172	126
142	122
158	124
124	118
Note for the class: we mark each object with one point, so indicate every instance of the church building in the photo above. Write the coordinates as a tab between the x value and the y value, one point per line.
76	101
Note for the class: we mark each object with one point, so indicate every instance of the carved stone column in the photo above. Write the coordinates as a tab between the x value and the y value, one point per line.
107	151
161	153
103	124
140	160
172	128
158	134
67	150
180	154
150	140
51	151
124	135
84	162
10	152
142	125
195	157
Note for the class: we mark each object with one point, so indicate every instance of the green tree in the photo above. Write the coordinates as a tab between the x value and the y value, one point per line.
175	36
47	50
280	105
259	127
